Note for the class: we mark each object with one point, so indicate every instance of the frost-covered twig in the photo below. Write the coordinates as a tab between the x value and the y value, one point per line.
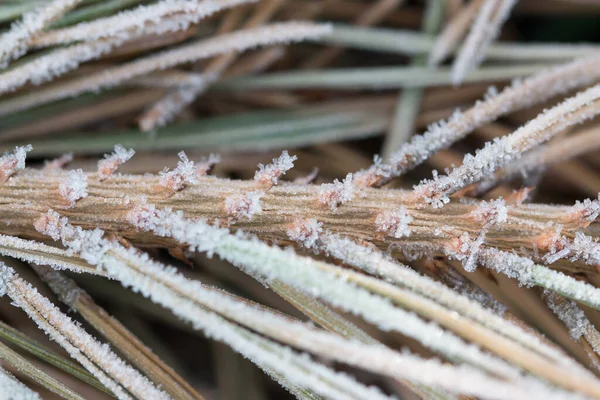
109	77
580	328
313	236
15	42
484	30
502	151
138	19
521	94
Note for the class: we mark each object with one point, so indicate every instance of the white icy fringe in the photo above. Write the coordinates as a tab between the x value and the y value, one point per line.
12	389
164	286
502	151
484	30
284	32
126	22
14	43
97	358
183	174
311	235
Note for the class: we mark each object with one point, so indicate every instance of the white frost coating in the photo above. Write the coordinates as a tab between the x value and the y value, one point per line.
109	164
205	165
485	28
568	312
334	194
502	151
529	273
307	233
395	223
491	213
521	94
311	234
77	342
74	186
38	253
185	173
58	163
269	174
12	389
122	24
237	41
11	163
305	274
14	43
588	210
244	206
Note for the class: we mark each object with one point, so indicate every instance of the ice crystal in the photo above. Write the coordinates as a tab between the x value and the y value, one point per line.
74	186
244	206
334	194
11	163
269	175
185	173
395	223
110	163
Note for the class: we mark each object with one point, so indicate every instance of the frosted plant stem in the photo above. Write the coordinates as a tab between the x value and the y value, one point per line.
60	61
521	94
579	326
15	42
375	262
126	22
27	368
109	77
98	359
168	288
484	30
13	389
486	161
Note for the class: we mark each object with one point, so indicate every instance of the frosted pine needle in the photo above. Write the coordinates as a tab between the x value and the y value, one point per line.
11	163
441	135
110	163
73	187
124	23
95	357
14	43
268	175
237	41
509	148
484	30
13	389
